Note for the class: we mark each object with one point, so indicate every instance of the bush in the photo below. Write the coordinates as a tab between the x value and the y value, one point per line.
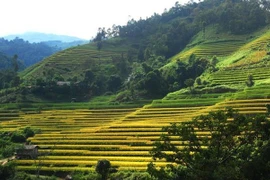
7	171
250	81
88	176
22	176
103	168
17	138
28	132
124	96
131	175
218	89
8	151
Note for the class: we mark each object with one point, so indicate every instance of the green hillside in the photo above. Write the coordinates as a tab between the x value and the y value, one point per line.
75	61
147	59
111	98
239	58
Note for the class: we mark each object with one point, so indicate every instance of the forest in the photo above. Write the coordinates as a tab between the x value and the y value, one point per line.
28	53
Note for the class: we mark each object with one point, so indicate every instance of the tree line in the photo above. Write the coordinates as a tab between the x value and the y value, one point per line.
29	53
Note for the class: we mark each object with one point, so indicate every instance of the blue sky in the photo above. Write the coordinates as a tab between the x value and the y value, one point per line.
80	18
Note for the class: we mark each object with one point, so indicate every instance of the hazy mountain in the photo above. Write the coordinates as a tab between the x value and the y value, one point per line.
64	45
41	37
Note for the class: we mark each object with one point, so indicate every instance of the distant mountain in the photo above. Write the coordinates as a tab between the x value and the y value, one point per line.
35	37
64	45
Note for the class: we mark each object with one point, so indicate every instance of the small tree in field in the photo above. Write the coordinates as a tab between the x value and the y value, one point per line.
250	81
103	168
220	145
189	83
267	108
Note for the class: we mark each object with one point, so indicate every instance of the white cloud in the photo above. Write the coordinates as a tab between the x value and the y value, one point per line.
79	18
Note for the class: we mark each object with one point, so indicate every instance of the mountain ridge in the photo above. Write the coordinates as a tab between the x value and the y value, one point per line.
35	37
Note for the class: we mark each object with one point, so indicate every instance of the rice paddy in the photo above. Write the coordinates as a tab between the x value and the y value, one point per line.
73	140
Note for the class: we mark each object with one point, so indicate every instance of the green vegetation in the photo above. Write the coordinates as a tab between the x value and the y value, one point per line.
12	140
108	100
132	60
232	146
29	53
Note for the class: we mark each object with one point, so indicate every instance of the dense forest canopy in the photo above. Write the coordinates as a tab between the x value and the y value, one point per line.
29	53
7	62
156	39
168	33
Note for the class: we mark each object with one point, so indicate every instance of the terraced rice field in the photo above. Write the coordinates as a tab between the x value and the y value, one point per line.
75	60
210	49
239	76
76	139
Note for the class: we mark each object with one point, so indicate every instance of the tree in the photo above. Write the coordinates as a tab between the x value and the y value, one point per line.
114	83
89	77
28	132
7	171
17	137
250	81
103	168
15	63
268	108
189	83
101	35
154	84
220	145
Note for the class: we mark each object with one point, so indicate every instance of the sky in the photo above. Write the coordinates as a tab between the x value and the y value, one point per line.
79	18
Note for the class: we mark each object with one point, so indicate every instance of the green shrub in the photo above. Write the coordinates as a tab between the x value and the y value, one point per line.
218	89
124	96
85	176
22	176
7	171
103	168
250	81
131	175
17	137
8	151
28	132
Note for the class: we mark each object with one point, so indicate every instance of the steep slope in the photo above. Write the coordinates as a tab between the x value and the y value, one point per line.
132	60
231	51
73	62
240	73
224	45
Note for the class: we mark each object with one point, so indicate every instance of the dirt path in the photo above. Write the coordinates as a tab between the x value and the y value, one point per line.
6	160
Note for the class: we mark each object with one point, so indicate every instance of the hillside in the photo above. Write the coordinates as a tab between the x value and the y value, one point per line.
28	53
150	58
230	51
111	99
73	62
